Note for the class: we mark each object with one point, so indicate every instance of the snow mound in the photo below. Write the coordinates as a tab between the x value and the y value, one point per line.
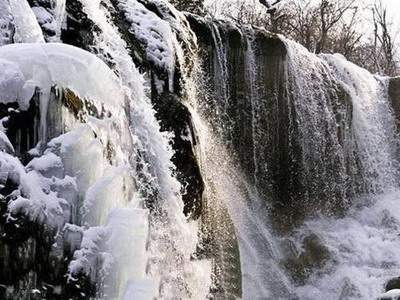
28	66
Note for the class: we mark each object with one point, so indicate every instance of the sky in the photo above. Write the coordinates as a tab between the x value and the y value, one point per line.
394	9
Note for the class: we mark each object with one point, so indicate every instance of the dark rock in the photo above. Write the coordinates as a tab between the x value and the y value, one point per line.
34	258
175	117
79	30
22	126
394	95
392	284
311	258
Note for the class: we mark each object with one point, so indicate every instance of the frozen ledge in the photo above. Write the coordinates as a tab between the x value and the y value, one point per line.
26	67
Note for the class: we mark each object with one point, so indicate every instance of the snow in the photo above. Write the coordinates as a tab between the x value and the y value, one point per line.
51	19
389	294
34	197
154	33
90	255
45	162
44	18
12	83
45	65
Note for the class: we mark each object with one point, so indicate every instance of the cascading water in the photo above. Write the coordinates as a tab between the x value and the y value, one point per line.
362	244
332	159
228	191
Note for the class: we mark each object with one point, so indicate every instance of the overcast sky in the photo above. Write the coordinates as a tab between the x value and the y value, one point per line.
394	9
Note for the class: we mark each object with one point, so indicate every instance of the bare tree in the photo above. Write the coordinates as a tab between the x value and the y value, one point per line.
384	48
331	13
329	26
193	6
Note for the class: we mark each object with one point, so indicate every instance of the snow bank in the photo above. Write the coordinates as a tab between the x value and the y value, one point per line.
91	255
34	198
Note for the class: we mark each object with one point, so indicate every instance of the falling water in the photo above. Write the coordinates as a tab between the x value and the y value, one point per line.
230	193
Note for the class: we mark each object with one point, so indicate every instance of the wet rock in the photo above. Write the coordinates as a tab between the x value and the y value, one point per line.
175	117
259	120
394	95
392	284
310	258
79	30
349	291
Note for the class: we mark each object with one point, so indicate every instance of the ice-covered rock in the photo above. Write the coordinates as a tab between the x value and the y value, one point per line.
18	23
154	33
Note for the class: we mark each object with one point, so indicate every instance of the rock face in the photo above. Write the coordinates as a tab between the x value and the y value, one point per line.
35	257
312	256
393	284
394	94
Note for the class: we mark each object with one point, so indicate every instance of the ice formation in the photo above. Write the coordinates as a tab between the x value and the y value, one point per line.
18	23
72	166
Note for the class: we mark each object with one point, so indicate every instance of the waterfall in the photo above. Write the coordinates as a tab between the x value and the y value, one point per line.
176	156
236	210
362	243
251	72
329	106
373	122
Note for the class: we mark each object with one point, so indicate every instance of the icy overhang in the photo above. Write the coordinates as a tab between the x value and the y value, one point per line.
26	67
